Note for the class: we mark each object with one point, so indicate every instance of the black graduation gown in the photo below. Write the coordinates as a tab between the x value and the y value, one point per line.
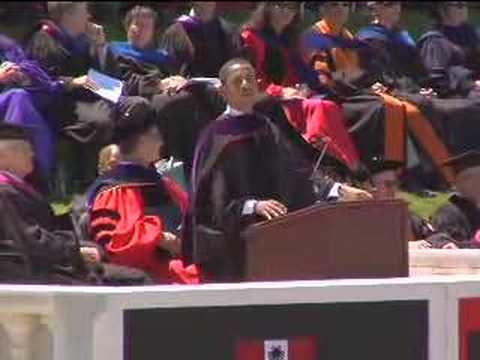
451	57
38	247
213	44
82	115
31	249
240	158
181	116
400	68
460	219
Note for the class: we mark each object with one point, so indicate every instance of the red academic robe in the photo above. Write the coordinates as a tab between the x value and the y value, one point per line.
314	118
132	237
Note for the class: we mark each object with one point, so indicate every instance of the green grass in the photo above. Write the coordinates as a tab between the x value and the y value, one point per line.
62	207
423	206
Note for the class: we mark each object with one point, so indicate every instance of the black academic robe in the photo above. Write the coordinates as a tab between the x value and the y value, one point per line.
397	65
32	250
451	56
38	247
82	115
460	219
201	48
240	158
344	65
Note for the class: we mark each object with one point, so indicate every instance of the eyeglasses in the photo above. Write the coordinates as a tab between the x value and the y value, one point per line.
458	4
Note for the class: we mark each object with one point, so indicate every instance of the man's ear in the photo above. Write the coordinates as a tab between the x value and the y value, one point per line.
222	91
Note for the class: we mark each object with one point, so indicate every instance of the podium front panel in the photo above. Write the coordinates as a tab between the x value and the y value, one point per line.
344	240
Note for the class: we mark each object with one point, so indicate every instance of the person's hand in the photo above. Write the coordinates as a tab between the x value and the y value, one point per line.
450	245
320	142
292	93
9	73
96	34
171	243
172	84
90	255
428	92
419	245
379	88
85	82
349	193
270	209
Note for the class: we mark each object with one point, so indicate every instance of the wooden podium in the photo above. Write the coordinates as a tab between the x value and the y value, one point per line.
343	240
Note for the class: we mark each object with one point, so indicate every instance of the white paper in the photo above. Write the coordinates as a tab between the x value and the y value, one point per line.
209	80
275	349
109	88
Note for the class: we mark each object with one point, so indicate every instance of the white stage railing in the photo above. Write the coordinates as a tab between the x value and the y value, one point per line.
86	323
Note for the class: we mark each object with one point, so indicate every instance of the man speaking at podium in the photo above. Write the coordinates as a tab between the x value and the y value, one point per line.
247	168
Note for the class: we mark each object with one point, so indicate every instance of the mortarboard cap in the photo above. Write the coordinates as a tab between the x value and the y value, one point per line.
134	115
464	161
378	164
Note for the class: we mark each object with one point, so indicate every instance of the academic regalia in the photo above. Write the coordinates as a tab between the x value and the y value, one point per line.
398	67
130	207
64	58
375	122
460	218
315	117
25	104
200	48
141	69
182	115
31	248
40	248
450	54
241	157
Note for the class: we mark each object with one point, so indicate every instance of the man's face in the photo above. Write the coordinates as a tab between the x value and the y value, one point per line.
389	12
337	12
141	31
78	18
241	85
205	9
17	156
386	184
456	12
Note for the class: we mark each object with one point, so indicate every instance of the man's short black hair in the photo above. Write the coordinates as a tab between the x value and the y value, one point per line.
228	67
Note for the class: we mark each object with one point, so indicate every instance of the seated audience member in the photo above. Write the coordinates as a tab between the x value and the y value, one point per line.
182	110
34	249
27	91
67	46
401	73
450	51
201	42
376	120
450	55
108	158
135	213
245	169
270	41
398	71
460	219
142	66
385	186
